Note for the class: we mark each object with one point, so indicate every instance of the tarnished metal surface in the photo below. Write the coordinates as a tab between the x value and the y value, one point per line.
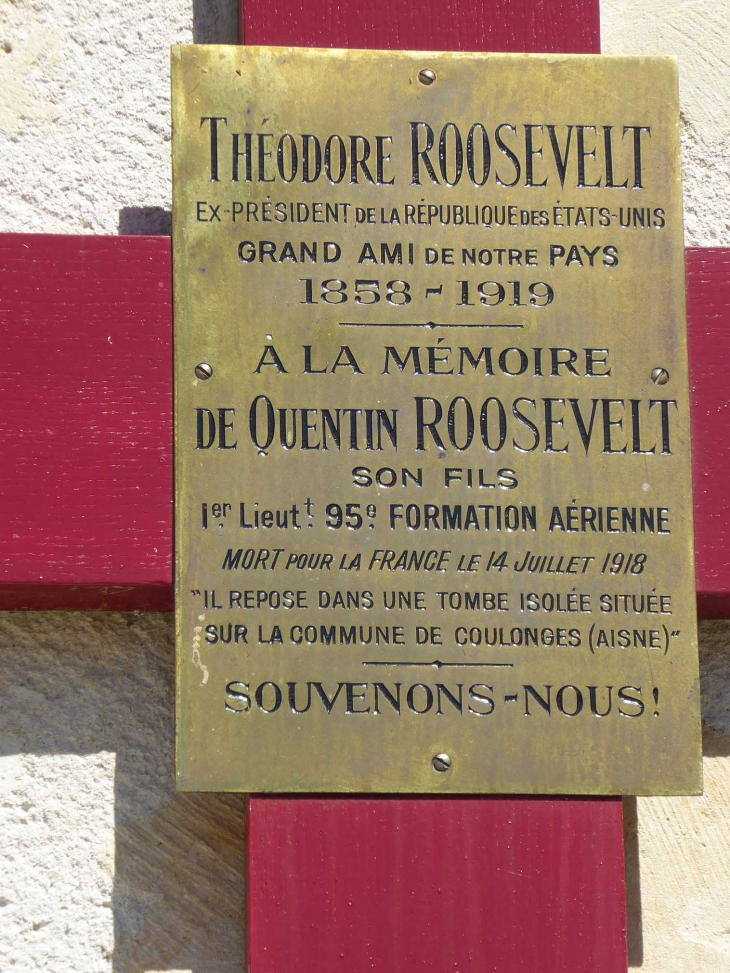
433	495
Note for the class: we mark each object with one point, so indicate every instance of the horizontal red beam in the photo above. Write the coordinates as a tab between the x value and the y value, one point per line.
86	423
424	885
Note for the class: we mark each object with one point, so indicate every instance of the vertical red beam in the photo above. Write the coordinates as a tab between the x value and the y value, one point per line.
429	885
525	27
417	884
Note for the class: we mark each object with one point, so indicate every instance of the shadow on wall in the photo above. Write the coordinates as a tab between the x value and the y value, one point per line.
634	935
215	21
87	685
145	221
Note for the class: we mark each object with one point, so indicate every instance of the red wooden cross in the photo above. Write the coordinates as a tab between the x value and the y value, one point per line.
350	884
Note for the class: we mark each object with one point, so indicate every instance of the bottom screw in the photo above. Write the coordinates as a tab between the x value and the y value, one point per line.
441	763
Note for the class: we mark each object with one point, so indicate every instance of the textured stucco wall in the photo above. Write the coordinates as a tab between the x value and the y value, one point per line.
102	867
695	32
85	106
678	849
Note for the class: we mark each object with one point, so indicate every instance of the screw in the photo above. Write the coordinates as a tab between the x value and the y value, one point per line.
441	763
203	371
659	376
426	76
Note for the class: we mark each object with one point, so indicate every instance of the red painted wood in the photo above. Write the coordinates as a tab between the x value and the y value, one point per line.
423	885
708	312
85	422
529	26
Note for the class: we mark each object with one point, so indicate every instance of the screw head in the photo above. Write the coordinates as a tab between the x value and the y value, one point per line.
441	763
203	371
659	376
426	76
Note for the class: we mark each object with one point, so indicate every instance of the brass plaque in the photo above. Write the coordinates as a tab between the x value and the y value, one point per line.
434	511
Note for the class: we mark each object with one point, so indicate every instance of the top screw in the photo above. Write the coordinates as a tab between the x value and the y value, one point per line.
426	76
441	763
203	371
659	376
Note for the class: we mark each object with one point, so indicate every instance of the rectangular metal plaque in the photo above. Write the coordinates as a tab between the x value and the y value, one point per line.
434	514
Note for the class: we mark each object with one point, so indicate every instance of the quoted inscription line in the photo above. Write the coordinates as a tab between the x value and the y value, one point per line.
438	664
426	324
